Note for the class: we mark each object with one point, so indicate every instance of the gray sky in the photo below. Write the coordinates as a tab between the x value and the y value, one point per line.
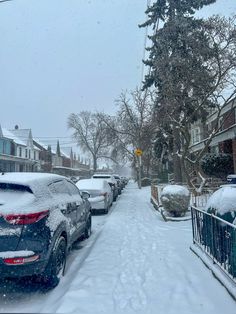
64	56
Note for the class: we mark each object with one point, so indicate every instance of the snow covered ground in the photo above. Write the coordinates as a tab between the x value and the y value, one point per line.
134	262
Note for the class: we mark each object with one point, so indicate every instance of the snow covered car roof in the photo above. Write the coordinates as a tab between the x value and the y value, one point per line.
27	177
36	181
223	200
91	184
108	175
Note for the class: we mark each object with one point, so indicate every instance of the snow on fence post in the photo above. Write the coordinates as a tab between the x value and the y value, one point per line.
154	196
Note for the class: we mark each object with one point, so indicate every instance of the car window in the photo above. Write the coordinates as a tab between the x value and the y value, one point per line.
72	188
14	187
101	177
58	187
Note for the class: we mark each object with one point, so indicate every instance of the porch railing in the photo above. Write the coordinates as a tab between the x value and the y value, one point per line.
217	238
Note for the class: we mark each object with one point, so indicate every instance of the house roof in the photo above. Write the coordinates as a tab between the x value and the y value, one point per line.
23	134
8	134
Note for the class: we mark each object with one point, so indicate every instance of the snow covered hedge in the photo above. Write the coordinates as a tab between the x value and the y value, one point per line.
175	199
217	165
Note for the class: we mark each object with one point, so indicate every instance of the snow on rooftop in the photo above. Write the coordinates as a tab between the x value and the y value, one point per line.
10	135
45	146
22	134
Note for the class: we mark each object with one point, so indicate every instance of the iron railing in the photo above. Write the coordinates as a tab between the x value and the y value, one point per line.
217	238
201	200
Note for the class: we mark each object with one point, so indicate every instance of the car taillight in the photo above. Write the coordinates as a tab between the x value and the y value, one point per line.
104	194
25	219
20	260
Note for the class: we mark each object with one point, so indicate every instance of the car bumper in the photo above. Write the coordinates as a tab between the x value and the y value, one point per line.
28	269
98	205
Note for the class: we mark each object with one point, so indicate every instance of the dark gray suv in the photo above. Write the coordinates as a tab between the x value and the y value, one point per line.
41	215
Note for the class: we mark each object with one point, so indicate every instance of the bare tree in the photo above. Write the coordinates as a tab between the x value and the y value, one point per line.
132	127
91	135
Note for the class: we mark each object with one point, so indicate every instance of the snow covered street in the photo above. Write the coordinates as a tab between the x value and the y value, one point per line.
134	262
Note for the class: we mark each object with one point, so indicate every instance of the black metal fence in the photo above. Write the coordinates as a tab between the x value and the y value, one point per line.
217	238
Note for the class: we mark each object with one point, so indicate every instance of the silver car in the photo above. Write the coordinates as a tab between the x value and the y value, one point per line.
101	195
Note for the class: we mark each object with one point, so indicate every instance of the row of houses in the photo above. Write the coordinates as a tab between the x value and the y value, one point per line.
224	141
20	152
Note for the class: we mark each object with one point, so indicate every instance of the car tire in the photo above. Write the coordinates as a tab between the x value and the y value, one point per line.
88	228
56	266
106	210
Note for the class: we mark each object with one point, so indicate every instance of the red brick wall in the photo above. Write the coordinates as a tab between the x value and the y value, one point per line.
229	119
234	154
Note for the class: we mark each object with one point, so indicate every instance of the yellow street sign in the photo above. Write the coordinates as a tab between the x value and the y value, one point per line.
138	152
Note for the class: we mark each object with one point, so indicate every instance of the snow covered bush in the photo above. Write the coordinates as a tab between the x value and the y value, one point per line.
145	182
217	165
175	199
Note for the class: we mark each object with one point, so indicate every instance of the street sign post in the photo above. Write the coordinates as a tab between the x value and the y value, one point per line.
138	152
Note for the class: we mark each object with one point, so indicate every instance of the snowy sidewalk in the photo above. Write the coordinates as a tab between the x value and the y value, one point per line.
140	264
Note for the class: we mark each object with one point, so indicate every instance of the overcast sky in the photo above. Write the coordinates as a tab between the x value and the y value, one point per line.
64	56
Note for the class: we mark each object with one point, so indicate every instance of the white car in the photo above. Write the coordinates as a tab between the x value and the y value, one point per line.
111	180
101	194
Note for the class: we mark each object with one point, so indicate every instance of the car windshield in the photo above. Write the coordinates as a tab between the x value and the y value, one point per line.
11	187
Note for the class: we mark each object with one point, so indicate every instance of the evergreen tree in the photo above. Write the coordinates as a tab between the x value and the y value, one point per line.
185	67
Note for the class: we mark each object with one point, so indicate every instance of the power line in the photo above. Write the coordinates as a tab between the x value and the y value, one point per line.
5	0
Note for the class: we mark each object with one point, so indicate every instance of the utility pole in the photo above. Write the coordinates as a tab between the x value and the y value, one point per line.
5	0
138	152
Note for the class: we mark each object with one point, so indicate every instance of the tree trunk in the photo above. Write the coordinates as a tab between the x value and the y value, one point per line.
94	164
176	159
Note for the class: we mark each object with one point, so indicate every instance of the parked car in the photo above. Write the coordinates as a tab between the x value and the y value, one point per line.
41	215
119	183
111	180
125	180
101	195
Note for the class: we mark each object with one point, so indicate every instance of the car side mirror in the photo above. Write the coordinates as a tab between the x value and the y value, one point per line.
85	195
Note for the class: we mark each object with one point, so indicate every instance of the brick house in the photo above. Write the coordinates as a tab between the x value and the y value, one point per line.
225	139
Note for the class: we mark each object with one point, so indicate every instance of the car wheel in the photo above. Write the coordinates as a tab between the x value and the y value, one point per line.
88	229
106	210
56	266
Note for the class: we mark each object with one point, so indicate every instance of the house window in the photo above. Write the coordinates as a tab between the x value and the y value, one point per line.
29	153
34	155
195	134
20	152
26	153
4	147
220	124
